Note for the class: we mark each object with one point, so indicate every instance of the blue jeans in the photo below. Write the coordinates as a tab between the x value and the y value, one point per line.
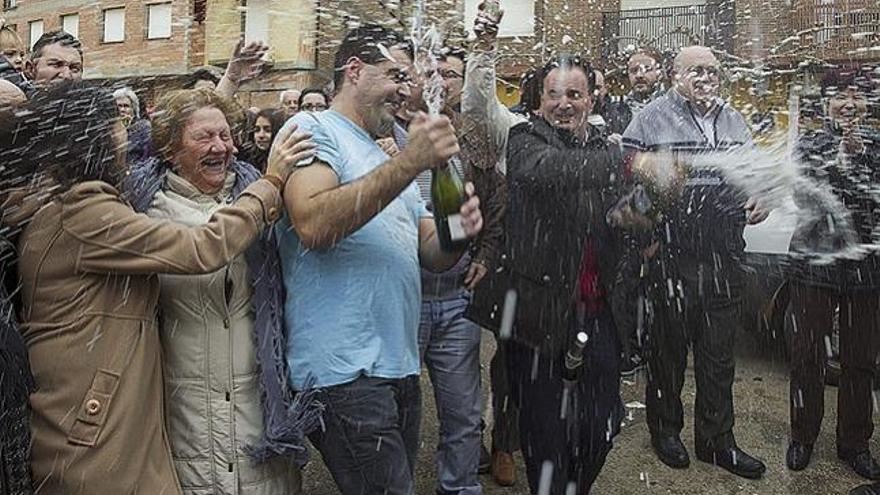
370	438
450	348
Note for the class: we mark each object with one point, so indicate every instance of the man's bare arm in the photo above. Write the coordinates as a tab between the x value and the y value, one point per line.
323	211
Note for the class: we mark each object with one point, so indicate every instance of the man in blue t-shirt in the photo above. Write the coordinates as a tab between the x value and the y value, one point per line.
355	235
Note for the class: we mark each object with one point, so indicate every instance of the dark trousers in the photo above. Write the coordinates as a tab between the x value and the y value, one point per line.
370	439
574	442
699	305
813	310
505	412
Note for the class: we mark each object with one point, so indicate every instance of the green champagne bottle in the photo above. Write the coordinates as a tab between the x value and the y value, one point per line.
447	196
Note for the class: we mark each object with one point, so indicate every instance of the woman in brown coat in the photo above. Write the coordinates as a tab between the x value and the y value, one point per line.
88	265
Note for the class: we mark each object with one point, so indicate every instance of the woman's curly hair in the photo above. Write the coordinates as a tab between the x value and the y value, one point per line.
173	111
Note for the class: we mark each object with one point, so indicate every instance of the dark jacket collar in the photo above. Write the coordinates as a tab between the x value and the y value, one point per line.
543	128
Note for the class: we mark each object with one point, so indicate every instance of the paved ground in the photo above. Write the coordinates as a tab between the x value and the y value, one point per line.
761	395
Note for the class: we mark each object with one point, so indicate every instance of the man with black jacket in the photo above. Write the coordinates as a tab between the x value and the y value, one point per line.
844	157
694	279
559	258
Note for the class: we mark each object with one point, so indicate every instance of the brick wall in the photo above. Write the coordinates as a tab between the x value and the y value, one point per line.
136	56
760	26
562	26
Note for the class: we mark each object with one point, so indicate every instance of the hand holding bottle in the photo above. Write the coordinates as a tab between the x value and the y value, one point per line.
634	211
456	209
663	173
431	142
489	14
471	216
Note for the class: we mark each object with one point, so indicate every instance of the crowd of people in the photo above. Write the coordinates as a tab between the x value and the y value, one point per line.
192	289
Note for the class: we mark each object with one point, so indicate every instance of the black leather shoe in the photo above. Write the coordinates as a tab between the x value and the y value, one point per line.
671	452
864	465
798	456
872	489
734	460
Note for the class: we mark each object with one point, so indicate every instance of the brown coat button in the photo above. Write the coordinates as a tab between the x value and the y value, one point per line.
93	406
273	213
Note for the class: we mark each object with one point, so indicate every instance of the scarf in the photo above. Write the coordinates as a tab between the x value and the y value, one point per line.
288	417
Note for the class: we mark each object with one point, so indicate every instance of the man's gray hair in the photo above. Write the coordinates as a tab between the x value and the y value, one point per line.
281	95
126	92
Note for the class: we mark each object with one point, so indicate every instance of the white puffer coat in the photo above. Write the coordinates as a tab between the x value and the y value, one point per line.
213	408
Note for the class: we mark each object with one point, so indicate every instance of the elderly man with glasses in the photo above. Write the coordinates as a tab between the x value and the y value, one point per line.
694	277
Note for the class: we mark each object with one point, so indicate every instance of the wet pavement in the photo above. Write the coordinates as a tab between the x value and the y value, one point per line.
761	401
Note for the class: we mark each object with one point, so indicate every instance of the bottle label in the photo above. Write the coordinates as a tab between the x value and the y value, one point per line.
456	231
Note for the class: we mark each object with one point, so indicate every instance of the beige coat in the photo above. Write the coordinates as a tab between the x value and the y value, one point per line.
89	289
213	407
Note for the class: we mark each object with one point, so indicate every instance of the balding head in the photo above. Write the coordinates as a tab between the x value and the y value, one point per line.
693	55
10	94
698	76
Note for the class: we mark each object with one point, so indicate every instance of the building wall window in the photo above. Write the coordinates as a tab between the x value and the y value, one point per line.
519	17
35	30
10	4
159	21
256	25
70	24
114	25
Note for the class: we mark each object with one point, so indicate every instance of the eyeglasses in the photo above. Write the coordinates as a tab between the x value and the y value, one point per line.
701	70
399	76
642	68
446	74
314	107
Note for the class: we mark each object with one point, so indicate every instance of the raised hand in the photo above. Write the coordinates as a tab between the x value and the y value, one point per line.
247	61
489	15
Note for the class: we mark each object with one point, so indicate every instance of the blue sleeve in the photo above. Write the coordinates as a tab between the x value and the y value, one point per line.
326	148
416	204
421	209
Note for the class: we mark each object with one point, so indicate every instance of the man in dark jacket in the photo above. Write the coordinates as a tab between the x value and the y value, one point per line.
559	257
646	85
695	279
845	157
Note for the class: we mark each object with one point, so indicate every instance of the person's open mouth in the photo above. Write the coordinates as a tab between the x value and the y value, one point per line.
214	165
